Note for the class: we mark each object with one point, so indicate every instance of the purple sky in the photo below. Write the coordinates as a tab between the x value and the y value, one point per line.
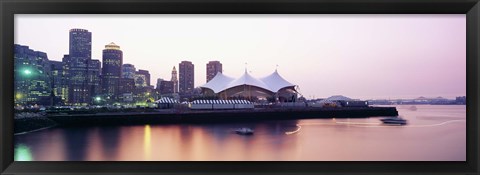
359	56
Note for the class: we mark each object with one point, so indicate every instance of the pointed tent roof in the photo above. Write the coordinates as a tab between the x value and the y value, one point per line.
276	82
247	79
218	83
273	82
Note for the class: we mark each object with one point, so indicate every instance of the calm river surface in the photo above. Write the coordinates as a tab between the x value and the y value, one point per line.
434	132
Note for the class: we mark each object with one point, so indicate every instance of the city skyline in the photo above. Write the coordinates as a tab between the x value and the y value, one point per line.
434	68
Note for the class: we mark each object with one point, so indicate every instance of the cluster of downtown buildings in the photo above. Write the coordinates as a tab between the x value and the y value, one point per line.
79	80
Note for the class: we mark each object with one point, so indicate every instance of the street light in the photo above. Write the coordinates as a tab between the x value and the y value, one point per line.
98	99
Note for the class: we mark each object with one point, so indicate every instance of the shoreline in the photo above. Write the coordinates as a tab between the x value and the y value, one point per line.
27	125
174	116
219	116
26	132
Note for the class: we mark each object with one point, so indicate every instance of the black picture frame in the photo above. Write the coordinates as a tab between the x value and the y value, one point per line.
8	8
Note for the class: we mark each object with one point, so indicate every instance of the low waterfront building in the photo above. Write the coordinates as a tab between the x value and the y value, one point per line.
221	104
339	101
461	100
166	103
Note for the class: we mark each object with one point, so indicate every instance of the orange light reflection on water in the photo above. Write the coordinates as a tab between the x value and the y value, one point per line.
147	143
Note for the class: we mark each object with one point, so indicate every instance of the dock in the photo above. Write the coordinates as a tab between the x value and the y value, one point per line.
173	116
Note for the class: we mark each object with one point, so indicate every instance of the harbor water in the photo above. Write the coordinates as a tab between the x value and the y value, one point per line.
433	133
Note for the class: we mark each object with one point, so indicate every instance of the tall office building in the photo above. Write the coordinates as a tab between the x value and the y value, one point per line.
186	77
58	80
111	70
127	82
32	80
143	90
142	78
174	80
126	85
164	87
66	79
76	67
212	68
128	71
80	43
159	83
93	77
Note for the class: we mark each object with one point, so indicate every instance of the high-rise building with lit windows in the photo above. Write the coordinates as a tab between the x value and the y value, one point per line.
76	66
213	67
58	80
112	61
32	84
128	71
80	43
164	87
142	78
93	78
127	82
186	78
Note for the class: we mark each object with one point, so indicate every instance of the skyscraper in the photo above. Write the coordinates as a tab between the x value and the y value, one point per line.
186	78
127	82
58	80
164	87
93	77
80	43
76	67
128	71
111	70
143	90
159	83
32	84
212	68
174	80
126	85
142	78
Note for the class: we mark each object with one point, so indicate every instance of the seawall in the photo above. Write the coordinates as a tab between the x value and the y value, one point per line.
220	116
25	125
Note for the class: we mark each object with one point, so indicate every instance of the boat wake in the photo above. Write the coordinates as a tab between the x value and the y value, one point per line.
369	125
293	132
411	126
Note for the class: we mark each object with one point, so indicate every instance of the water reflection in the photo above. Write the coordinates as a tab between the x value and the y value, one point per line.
434	138
22	153
147	143
75	139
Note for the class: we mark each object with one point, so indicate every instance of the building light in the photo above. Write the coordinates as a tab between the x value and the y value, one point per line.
27	72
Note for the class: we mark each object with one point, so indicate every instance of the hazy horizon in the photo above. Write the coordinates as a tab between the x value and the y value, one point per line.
358	56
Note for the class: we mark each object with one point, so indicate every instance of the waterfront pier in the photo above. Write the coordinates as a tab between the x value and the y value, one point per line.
219	116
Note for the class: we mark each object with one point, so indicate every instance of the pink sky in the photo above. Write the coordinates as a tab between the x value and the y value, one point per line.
359	56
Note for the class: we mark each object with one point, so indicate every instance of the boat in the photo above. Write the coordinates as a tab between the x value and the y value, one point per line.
394	120
244	131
